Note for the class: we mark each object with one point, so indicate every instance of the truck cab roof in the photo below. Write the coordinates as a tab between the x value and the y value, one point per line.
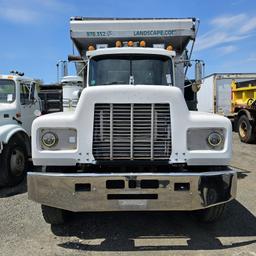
130	50
16	77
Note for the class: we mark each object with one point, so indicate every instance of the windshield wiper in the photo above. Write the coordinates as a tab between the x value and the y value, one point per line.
131	80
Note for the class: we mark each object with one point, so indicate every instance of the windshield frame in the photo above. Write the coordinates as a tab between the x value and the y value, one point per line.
12	82
130	56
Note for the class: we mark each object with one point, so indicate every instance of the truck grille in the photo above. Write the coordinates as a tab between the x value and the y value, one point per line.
132	132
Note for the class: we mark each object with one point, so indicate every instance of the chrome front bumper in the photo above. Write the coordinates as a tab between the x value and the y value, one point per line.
132	191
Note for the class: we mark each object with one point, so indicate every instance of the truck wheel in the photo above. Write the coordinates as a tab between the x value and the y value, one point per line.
246	130
211	214
53	215
14	161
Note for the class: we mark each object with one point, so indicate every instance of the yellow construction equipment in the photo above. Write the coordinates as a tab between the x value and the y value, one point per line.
244	106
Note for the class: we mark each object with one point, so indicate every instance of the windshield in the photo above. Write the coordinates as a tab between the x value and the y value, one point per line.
130	69
7	91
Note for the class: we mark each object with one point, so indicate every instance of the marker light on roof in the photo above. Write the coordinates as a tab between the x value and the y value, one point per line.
118	43
101	46
130	44
91	48
169	47
142	44
158	46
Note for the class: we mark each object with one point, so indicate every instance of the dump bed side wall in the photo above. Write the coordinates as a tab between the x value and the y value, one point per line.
243	94
177	32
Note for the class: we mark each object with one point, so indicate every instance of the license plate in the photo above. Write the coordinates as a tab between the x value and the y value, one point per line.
135	203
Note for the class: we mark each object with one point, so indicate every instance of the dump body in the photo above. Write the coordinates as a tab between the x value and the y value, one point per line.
243	95
87	31
244	109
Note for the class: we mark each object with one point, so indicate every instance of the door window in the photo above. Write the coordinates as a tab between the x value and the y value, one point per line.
24	94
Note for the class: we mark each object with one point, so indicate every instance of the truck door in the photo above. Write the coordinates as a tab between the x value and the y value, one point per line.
27	107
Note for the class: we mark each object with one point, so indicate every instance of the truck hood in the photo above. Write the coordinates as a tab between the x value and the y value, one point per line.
59	115
132	94
214	118
83	119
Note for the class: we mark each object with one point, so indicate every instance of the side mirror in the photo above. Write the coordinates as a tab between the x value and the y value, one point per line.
74	58
198	72
198	76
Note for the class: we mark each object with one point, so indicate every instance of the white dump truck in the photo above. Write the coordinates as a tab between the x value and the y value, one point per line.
131	143
18	101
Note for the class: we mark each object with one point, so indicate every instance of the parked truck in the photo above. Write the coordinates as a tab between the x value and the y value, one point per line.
131	143
232	95
18	101
244	109
20	97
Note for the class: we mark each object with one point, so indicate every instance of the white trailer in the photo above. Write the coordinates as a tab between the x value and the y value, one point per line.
131	143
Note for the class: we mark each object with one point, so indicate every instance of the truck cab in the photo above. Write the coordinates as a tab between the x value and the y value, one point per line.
18	101
131	143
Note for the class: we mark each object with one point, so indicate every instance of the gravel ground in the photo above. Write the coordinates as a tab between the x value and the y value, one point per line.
24	232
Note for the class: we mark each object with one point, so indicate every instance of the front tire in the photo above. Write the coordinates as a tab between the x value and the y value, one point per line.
53	215
14	162
212	213
246	130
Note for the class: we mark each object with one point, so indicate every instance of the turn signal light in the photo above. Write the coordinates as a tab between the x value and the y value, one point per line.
91	48
169	47
118	43
142	44
130	44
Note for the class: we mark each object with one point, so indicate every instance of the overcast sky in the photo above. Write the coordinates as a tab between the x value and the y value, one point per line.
35	33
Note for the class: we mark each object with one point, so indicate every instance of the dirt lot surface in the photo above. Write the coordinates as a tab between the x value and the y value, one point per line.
24	232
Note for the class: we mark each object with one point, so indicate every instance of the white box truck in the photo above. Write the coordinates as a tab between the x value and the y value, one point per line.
132	143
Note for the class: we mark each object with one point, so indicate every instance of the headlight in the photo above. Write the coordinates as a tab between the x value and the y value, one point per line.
57	139
205	138
214	139
49	139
